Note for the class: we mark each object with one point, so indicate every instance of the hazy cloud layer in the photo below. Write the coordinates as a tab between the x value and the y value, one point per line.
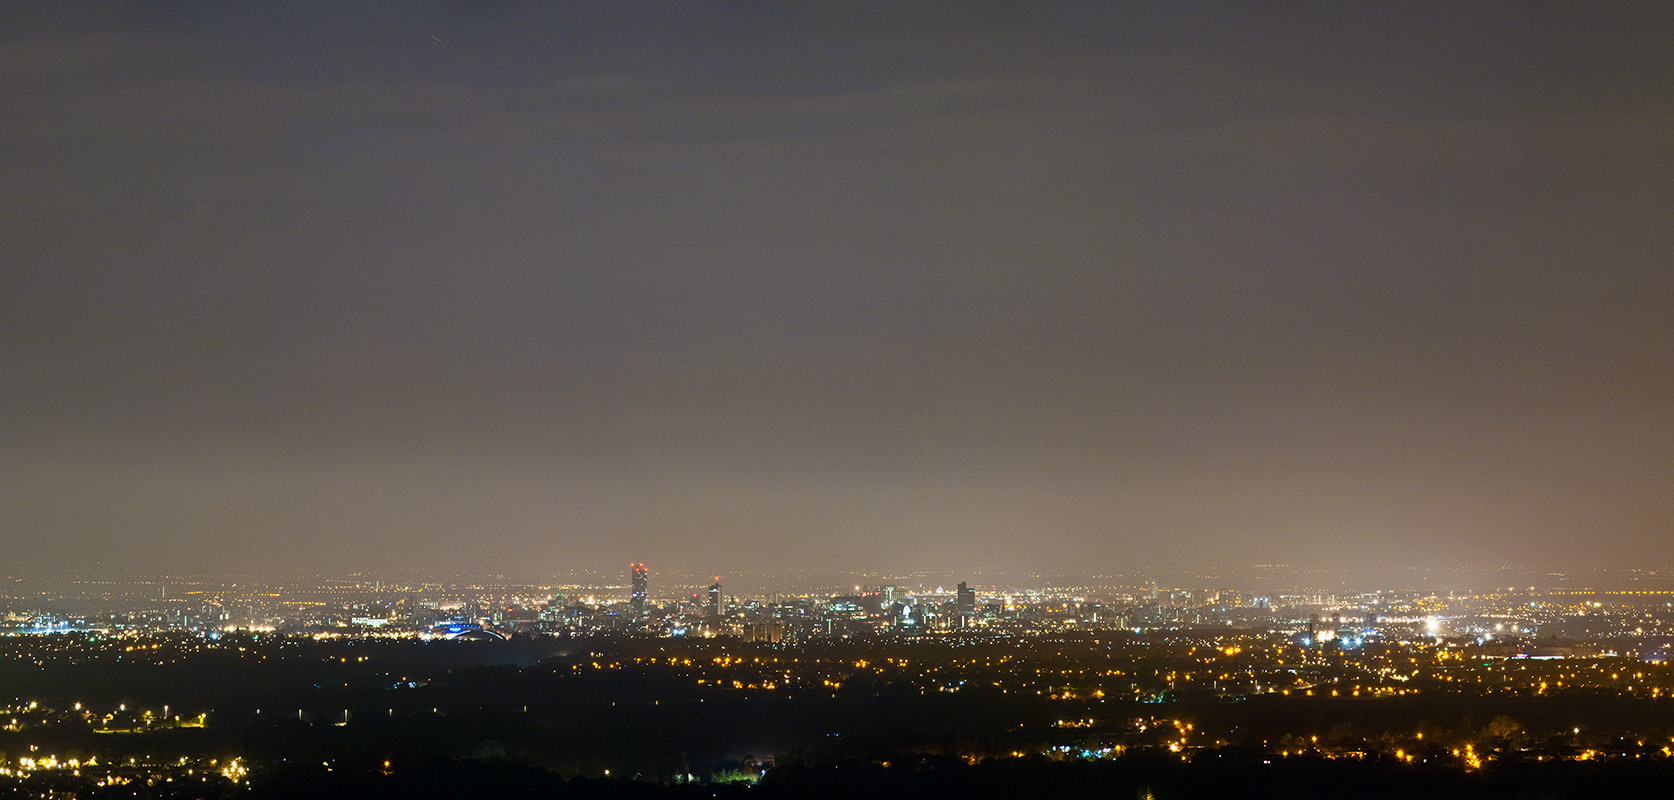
1061	286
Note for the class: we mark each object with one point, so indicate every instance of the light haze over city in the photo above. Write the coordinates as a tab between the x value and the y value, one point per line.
1061	287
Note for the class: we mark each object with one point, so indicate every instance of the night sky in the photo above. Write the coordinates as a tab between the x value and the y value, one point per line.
727	286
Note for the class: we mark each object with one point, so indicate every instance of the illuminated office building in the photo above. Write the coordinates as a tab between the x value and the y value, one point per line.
637	599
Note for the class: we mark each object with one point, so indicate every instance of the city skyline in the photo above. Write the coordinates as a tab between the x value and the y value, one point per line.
362	687
965	286
639	589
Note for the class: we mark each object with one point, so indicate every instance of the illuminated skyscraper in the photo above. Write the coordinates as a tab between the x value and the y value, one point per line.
715	598
637	599
965	603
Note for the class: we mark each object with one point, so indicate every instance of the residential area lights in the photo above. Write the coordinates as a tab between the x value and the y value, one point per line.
1094	671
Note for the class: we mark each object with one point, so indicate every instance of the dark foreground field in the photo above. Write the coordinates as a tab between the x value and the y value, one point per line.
167	717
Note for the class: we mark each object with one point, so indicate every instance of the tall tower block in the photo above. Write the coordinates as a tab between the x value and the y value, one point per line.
636	601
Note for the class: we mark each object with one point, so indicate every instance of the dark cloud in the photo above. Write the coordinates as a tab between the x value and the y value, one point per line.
1062	286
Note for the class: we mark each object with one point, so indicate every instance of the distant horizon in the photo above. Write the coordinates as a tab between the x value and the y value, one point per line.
1266	577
